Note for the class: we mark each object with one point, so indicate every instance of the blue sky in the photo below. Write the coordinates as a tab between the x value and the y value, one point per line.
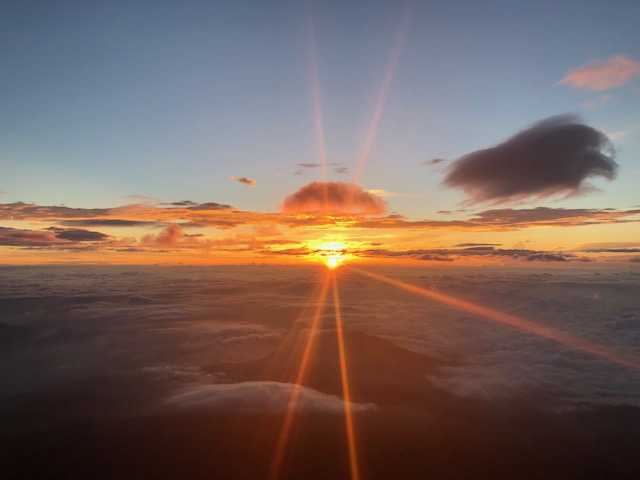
106	103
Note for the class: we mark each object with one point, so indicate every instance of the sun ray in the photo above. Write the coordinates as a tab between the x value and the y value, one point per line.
390	71
513	321
293	400
318	111
353	456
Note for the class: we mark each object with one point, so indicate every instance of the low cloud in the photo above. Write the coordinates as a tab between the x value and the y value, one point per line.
247	181
27	238
79	235
334	197
603	74
552	157
260	397
169	237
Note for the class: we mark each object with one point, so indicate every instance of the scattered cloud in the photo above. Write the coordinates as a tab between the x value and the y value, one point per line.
552	157
451	254
272	397
247	181
108	222
603	74
333	197
434	161
27	238
78	235
341	170
309	165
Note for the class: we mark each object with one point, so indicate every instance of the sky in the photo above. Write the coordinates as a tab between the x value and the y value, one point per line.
192	132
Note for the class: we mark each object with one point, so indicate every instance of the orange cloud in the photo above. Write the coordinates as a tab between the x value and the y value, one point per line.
603	74
335	198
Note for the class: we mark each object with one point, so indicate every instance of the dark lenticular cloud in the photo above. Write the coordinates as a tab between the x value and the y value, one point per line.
553	156
334	197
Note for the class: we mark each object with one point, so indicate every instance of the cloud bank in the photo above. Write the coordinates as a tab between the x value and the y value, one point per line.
552	157
334	197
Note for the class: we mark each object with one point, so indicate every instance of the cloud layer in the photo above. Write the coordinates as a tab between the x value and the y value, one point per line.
334	197
552	157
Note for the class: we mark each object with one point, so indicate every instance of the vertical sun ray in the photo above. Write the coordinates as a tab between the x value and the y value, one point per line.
353	456
317	104
390	71
281	445
514	322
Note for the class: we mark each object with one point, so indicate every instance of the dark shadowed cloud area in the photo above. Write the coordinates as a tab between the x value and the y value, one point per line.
187	372
552	157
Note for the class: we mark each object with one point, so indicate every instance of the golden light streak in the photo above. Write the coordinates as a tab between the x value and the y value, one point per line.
353	456
390	71
513	321
293	401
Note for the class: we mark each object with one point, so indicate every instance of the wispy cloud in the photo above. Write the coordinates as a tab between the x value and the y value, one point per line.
603	74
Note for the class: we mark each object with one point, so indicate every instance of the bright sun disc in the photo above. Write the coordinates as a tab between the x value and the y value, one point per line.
332	262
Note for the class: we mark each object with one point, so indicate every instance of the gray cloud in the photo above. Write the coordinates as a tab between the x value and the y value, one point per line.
554	156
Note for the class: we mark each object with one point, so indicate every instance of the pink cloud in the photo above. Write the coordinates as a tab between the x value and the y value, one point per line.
603	74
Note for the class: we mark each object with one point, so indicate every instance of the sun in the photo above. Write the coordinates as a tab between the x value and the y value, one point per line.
332	263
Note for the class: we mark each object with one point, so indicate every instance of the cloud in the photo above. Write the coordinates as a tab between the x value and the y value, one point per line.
309	165
334	197
169	237
113	222
554	156
451	254
603	74
432	162
79	235
22	238
260	397
247	181
341	169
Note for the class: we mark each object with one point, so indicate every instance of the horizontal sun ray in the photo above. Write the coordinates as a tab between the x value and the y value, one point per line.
513	321
293	401
353	457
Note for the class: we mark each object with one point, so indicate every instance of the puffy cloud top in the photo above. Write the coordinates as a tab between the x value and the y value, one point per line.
334	197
